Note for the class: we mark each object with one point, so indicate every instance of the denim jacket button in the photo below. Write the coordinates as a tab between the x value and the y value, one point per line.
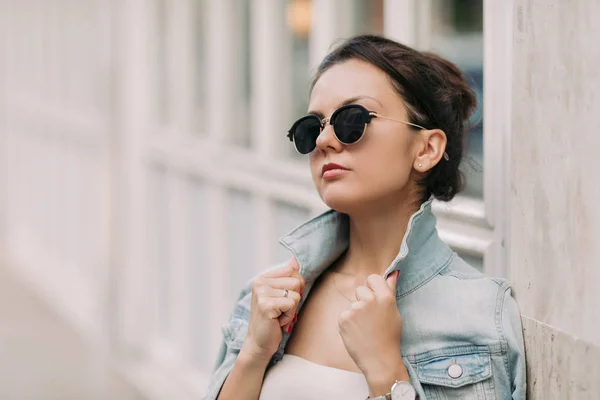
455	371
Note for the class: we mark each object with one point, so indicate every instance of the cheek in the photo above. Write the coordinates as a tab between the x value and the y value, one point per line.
387	161
314	168
388	172
381	165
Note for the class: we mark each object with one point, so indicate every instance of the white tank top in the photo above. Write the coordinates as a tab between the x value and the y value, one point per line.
294	378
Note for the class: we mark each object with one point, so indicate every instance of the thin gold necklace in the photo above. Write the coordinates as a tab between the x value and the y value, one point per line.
338	289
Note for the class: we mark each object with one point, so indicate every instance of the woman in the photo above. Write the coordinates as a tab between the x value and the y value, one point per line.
374	304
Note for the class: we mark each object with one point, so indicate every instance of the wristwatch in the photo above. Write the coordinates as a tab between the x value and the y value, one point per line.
401	390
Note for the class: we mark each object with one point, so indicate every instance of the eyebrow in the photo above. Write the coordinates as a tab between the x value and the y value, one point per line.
351	100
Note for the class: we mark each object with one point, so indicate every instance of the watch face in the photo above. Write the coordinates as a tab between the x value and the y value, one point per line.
403	391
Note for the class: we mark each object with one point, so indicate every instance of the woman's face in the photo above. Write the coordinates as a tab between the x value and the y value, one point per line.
378	168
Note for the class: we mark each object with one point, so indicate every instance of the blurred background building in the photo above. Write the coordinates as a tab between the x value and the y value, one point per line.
145	175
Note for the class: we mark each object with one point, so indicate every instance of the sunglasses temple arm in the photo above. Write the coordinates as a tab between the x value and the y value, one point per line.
446	156
396	120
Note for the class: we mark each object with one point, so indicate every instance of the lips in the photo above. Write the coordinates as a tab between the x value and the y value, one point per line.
332	166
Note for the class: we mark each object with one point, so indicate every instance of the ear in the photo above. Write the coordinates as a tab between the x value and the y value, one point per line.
433	145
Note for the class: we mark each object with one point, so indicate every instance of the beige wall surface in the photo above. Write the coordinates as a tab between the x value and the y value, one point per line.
554	200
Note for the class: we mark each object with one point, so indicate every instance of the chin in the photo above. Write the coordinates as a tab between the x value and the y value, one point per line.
341	199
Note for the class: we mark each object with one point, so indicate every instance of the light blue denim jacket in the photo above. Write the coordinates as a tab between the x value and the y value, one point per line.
451	313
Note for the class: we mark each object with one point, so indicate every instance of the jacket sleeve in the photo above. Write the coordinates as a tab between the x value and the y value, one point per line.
227	356
237	322
513	332
224	365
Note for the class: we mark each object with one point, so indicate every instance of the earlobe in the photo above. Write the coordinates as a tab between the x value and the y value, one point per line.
433	148
419	162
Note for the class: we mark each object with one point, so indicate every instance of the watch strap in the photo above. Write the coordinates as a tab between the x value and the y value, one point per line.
387	396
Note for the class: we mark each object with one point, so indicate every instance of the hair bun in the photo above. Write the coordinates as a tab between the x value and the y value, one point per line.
456	89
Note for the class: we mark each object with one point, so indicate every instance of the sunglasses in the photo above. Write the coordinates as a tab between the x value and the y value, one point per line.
349	125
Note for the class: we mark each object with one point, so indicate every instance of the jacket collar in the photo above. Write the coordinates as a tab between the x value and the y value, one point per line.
319	242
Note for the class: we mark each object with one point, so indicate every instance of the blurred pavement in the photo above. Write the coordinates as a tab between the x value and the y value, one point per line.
41	358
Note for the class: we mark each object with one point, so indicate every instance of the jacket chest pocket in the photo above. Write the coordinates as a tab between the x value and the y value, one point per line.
457	376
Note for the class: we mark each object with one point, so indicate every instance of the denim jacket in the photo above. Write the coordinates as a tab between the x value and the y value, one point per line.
461	332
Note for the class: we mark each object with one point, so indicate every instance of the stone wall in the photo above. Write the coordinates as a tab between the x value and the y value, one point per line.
554	201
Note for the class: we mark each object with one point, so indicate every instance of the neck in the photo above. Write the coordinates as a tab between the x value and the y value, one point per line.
375	238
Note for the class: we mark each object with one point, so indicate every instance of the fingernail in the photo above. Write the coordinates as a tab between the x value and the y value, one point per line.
295	318
290	328
301	293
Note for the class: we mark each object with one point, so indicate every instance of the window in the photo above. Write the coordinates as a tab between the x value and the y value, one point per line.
162	64
203	200
160	245
454	29
297	17
179	46
241	239
355	17
367	17
241	74
242	78
198	73
456	32
199	234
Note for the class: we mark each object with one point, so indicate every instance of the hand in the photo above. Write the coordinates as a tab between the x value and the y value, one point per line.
270	310
371	331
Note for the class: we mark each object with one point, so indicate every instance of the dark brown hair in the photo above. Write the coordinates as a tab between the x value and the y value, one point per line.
436	95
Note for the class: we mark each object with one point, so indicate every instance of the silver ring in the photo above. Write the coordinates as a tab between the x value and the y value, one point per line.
285	293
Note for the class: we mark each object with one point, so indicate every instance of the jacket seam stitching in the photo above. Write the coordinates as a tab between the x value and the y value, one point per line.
426	280
452	351
503	289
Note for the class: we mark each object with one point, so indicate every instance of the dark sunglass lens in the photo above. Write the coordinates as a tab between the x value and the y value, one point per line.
349	125
306	133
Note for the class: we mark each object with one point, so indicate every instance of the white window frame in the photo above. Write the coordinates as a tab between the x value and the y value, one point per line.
4	55
40	231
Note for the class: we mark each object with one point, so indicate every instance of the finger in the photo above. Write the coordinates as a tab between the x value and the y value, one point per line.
288	325
358	305
392	280
289	283
378	285
344	318
263	292
287	318
286	270
298	276
288	315
363	293
267	291
274	307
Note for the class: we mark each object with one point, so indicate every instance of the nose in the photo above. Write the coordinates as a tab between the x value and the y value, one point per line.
327	140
